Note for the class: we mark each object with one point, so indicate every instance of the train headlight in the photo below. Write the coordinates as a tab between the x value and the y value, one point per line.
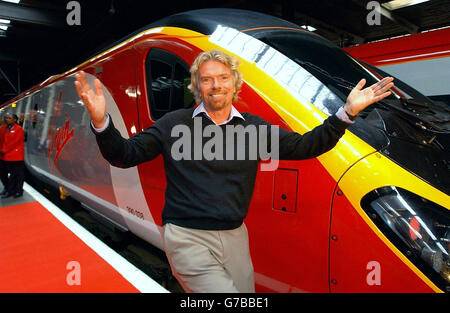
419	228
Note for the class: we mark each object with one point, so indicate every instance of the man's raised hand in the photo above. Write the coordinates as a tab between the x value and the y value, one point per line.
359	98
93	100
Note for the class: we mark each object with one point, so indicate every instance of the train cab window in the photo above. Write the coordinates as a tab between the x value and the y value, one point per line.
167	80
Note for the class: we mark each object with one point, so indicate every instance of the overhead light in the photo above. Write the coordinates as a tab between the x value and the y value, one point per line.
4	24
397	4
12	1
307	27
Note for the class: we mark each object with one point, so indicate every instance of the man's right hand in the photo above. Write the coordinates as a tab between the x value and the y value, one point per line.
94	101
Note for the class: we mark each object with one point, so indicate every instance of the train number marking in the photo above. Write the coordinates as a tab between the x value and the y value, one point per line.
136	213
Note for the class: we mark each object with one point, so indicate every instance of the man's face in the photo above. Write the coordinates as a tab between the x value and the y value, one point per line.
216	85
9	119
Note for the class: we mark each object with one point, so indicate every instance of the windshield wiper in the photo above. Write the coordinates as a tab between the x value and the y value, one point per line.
422	115
341	81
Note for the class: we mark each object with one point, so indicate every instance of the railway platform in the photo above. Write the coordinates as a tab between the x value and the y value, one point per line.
43	250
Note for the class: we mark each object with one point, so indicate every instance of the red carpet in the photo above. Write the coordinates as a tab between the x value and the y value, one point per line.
36	248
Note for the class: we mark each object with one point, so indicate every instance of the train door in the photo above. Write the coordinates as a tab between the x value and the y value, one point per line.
289	216
105	190
288	224
162	80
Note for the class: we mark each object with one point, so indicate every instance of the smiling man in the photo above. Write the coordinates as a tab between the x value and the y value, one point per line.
216	83
206	199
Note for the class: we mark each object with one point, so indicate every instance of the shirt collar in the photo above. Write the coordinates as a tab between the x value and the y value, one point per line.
233	113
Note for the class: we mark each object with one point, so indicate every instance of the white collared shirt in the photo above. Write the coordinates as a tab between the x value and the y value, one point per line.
233	113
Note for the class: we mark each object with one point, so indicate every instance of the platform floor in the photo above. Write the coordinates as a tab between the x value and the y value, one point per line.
43	250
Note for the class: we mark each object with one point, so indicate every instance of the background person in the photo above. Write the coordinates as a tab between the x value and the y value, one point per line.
12	150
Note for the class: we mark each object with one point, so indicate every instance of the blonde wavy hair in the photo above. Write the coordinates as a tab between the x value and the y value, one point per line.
215	55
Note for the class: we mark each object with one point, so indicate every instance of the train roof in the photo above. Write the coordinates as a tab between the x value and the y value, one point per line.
204	21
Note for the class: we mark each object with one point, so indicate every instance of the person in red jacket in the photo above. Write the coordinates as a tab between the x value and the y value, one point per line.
3	168
12	151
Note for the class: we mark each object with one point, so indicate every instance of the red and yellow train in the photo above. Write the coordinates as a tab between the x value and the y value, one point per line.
371	215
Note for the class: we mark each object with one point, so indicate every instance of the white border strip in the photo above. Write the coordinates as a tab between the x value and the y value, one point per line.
416	56
136	277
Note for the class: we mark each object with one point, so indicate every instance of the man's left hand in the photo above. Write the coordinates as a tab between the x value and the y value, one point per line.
359	98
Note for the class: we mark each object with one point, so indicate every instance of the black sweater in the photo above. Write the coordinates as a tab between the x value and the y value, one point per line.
210	194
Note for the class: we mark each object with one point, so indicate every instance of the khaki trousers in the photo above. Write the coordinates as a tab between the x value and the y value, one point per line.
210	261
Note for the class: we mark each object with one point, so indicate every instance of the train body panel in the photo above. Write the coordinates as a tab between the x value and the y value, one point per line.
420	60
365	241
311	223
61	146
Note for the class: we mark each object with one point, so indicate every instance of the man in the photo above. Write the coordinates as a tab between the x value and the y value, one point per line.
206	201
12	150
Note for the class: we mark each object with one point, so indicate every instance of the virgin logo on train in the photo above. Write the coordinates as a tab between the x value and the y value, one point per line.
58	137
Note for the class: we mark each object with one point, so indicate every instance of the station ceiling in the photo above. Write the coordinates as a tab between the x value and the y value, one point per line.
37	42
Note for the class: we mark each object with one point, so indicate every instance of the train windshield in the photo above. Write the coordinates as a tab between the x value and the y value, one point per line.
314	70
331	65
311	68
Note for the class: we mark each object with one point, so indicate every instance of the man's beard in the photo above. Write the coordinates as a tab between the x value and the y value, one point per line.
216	105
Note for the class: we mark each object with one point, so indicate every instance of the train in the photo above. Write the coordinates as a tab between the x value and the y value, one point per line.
421	60
370	215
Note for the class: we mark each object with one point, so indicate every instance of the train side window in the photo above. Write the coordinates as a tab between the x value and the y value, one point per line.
183	98
167	80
